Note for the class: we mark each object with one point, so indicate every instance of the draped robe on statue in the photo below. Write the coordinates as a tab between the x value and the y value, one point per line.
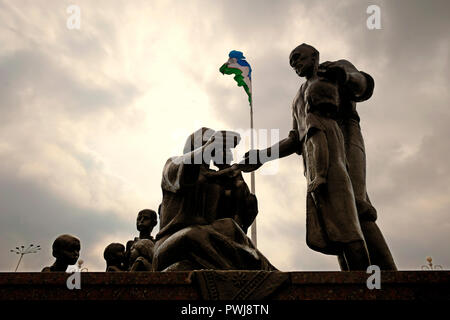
334	218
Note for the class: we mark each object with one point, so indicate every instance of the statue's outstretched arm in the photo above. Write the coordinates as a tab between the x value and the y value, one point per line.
255	158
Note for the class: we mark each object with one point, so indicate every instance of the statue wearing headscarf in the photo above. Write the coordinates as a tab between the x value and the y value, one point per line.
204	212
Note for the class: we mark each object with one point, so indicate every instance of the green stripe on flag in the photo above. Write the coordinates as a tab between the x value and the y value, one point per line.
238	78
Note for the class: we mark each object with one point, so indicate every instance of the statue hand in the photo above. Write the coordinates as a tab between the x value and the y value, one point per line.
248	167
230	172
333	73
251	161
219	145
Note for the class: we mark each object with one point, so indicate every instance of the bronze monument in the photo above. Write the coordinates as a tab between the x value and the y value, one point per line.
205	213
326	132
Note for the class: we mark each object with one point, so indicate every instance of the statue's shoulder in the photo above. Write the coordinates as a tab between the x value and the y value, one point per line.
338	63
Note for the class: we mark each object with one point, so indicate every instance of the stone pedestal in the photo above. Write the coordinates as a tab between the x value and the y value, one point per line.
305	286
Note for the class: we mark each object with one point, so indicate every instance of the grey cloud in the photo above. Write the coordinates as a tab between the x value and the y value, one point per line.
29	75
32	215
255	19
412	198
424	173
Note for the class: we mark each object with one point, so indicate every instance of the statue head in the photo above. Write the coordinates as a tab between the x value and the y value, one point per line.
221	154
66	249
146	220
197	139
304	59
224	157
114	254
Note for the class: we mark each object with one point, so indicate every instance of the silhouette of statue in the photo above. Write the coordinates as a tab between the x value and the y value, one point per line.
145	222
66	250
114	255
204	213
326	132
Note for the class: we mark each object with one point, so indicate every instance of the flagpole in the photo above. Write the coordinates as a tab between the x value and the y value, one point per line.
252	174
236	58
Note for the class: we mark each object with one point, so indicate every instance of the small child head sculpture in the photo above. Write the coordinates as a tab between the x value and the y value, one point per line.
146	220
114	255
66	249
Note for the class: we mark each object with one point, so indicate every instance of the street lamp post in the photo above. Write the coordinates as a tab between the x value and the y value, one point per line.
22	251
431	266
80	264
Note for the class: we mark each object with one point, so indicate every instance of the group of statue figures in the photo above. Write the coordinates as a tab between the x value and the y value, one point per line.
136	256
205	213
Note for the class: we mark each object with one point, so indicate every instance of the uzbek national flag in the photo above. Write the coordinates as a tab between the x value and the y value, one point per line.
238	66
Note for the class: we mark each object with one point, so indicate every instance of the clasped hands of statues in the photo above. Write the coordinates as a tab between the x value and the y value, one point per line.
219	146
223	141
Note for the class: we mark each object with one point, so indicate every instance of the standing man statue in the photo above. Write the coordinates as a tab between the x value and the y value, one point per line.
326	132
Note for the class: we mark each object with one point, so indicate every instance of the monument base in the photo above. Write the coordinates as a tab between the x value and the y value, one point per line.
227	285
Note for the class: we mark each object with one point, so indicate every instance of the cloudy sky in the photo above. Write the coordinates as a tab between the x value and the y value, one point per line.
88	117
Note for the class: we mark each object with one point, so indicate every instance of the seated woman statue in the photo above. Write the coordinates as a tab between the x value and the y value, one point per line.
205	213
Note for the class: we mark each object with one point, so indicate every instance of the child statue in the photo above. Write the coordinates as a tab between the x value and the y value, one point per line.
66	250
145	222
114	255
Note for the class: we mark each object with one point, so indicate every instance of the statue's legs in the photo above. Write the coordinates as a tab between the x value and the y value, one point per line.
332	221
356	162
379	252
356	158
342	263
221	245
356	256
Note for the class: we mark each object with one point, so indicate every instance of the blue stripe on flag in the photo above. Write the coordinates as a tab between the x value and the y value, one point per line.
240	60
244	63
